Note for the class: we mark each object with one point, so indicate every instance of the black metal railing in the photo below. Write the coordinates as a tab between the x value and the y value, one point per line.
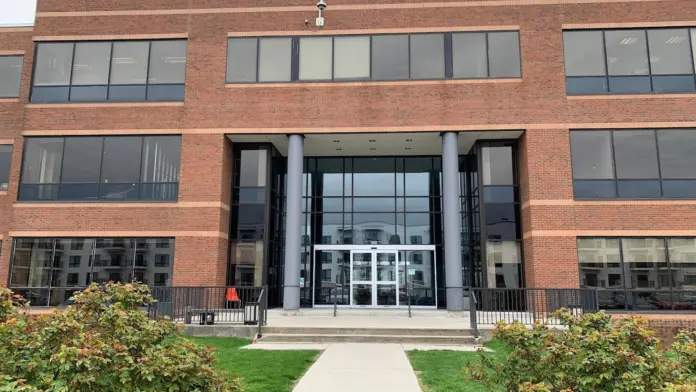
212	305
528	305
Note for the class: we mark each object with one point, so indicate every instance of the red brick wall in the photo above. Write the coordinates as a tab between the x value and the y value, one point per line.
536	103
666	325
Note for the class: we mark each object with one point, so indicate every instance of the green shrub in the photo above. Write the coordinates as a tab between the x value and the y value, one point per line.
591	354
103	343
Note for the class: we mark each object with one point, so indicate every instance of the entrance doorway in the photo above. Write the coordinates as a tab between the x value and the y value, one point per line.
374	276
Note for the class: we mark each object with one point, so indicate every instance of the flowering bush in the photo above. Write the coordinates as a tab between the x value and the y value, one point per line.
591	354
104	343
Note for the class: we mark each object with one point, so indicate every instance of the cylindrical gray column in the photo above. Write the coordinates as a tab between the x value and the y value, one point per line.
293	223
451	213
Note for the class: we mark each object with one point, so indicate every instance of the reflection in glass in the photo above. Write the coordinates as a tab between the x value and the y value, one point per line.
246	259
333	277
386	267
682	257
362	266
386	295
416	278
374	228
645	263
503	262
362	295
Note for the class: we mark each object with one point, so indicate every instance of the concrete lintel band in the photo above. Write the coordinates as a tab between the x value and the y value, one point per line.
452	221
293	223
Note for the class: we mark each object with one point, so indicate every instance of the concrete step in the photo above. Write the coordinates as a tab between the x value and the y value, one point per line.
368	338
367	331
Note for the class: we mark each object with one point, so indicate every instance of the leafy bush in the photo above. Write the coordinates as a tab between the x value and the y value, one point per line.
591	354
104	343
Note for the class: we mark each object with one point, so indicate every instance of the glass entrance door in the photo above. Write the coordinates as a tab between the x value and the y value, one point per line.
374	278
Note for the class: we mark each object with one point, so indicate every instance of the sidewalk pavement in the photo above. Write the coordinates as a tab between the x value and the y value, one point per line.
351	367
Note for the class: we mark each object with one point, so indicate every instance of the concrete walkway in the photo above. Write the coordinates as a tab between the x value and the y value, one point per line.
351	367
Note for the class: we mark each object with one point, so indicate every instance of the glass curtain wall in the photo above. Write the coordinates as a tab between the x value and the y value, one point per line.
500	213
369	201
256	227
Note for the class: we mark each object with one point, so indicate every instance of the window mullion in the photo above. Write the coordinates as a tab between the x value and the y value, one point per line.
72	65
108	78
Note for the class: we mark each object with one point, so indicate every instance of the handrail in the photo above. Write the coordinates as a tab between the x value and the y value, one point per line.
262	311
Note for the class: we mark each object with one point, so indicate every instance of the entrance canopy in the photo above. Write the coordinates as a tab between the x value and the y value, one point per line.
371	144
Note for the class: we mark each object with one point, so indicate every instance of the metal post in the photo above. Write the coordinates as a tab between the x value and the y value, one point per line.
452	222
408	294
472	312
293	223
335	290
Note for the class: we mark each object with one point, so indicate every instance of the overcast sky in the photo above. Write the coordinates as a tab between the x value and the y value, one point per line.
17	12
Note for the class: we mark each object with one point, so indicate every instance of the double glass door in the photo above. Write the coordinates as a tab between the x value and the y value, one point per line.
375	278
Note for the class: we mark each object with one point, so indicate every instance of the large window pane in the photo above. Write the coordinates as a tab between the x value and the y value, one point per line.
374	229
504	55
635	154
253	167
10	75
670	52
469	55
427	56
91	65
600	263
42	160
113	260
82	161
497	165
242	59
31	264
591	154
645	263
161	159
352	57
129	62
315	58
53	64
275	55
390	57
5	163
682	257
121	162
167	62
503	264
627	52
693	45
584	53
677	153
153	264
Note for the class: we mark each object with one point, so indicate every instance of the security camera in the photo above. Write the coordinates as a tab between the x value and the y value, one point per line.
321	5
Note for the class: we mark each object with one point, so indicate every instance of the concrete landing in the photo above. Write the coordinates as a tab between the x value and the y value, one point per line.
324	346
360	367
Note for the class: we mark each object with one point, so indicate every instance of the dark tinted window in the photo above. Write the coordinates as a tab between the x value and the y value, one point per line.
5	163
427	56
375	57
677	153
634	163
504	55
390	57
10	75
629	61
110	71
110	168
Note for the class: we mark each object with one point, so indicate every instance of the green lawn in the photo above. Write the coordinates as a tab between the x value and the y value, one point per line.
441	371
261	371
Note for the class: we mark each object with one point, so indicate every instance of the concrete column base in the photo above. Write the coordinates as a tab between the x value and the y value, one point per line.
457	314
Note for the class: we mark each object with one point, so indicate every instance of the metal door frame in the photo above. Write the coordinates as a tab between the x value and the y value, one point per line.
374	249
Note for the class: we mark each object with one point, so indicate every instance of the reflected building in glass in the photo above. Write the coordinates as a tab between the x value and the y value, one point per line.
372	230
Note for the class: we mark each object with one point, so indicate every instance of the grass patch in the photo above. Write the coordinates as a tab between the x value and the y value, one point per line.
441	371
261	371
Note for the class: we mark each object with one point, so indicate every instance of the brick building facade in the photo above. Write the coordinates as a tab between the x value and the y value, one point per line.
534	113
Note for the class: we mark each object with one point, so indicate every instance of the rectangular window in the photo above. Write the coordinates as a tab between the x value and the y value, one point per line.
377	57
634	164
10	75
639	273
629	61
102	71
42	268
92	168
5	164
